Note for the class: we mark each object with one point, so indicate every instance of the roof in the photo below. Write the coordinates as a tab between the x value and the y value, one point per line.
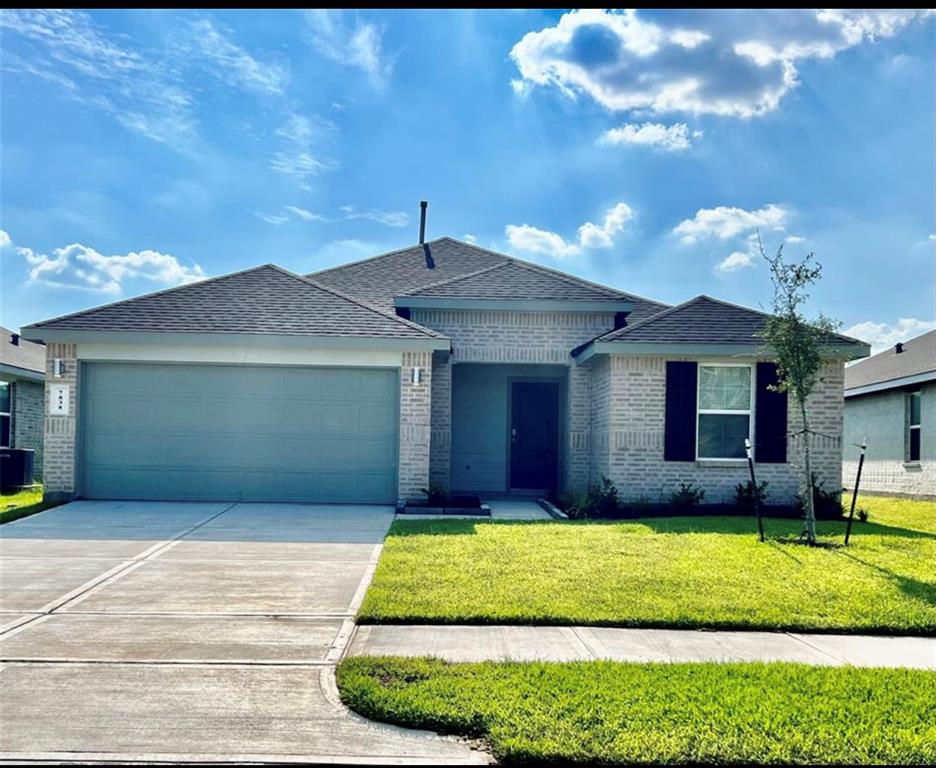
263	300
892	369
465	270
701	320
515	280
25	355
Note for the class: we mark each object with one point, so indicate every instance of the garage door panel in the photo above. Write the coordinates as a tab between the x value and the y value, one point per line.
228	433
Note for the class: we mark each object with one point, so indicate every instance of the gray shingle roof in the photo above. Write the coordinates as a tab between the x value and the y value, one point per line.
516	280
918	357
701	320
262	300
464	270
26	355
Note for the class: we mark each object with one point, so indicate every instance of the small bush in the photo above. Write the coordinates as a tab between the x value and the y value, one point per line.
687	497
602	502
828	504
436	496
747	495
863	514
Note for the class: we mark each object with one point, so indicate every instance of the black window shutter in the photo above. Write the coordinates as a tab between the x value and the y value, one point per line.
679	441
770	418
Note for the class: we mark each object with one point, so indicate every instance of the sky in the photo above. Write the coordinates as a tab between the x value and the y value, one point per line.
644	150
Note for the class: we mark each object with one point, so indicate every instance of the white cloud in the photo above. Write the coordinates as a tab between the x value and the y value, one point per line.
737	63
932	237
298	136
235	65
141	91
469	238
272	218
883	335
736	260
389	218
671	138
303	214
724	222
5	240
530	239
794	239
352	43
78	266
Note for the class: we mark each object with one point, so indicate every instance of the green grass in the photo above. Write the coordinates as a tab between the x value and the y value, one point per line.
14	506
671	572
614	713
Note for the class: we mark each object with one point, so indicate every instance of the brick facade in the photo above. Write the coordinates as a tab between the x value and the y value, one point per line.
27	418
60	450
504	337
415	419
440	437
628	413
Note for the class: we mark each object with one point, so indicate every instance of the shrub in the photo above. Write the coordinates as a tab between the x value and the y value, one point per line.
602	502
436	496
828	504
747	495
863	514
688	496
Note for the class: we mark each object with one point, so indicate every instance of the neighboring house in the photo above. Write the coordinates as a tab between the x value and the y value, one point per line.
443	363
22	371
890	401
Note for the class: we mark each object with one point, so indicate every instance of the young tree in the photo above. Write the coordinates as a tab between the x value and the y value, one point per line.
797	346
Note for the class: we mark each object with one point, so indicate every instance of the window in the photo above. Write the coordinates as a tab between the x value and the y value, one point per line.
914	403
6	395
724	411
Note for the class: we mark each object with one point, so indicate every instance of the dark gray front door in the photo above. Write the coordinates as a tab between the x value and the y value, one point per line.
534	435
250	433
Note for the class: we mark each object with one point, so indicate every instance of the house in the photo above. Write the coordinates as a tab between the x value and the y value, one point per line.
441	364
22	371
890	402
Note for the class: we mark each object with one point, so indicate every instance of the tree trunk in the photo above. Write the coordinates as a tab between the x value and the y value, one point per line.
810	494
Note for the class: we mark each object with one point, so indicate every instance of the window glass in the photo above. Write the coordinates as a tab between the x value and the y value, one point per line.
722	436
724	388
4	397
915	409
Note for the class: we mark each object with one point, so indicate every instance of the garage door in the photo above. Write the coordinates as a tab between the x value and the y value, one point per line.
250	433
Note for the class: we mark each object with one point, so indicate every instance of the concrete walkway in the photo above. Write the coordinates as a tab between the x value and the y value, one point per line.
520	643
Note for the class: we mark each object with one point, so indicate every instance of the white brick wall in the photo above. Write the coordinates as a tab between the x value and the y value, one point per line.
518	337
58	472
415	406
630	398
28	419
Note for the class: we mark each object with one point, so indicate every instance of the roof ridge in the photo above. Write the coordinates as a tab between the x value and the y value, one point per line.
455	279
364	305
92	310
375	257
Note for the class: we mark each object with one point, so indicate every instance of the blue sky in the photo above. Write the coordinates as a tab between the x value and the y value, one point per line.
640	149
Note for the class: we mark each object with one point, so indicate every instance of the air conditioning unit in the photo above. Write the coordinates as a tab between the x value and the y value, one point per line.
16	468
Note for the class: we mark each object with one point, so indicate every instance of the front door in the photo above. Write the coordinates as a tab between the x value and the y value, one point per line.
534	435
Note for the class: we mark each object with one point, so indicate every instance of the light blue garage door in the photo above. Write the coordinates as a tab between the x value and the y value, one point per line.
250	433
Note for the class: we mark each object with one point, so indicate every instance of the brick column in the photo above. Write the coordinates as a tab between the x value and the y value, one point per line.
578	456
440	434
415	406
59	451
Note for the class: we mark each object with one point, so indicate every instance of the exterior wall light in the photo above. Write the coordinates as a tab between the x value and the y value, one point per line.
416	376
58	367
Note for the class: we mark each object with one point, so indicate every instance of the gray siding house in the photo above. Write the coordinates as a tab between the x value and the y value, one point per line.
890	401
440	364
22	371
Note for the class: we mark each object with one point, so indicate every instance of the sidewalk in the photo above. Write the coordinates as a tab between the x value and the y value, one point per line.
522	643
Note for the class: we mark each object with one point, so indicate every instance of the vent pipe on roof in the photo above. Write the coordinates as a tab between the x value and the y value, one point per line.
423	204
14	339
898	348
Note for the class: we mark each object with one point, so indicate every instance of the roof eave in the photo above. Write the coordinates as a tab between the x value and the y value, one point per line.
15	372
899	383
303	341
701	349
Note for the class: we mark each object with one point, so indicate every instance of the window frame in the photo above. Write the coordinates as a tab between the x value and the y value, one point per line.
908	455
8	415
721	412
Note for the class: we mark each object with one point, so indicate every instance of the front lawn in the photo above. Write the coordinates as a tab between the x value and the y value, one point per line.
671	572
616	713
13	506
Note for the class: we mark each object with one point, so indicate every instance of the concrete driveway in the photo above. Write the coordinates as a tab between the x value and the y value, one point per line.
190	632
